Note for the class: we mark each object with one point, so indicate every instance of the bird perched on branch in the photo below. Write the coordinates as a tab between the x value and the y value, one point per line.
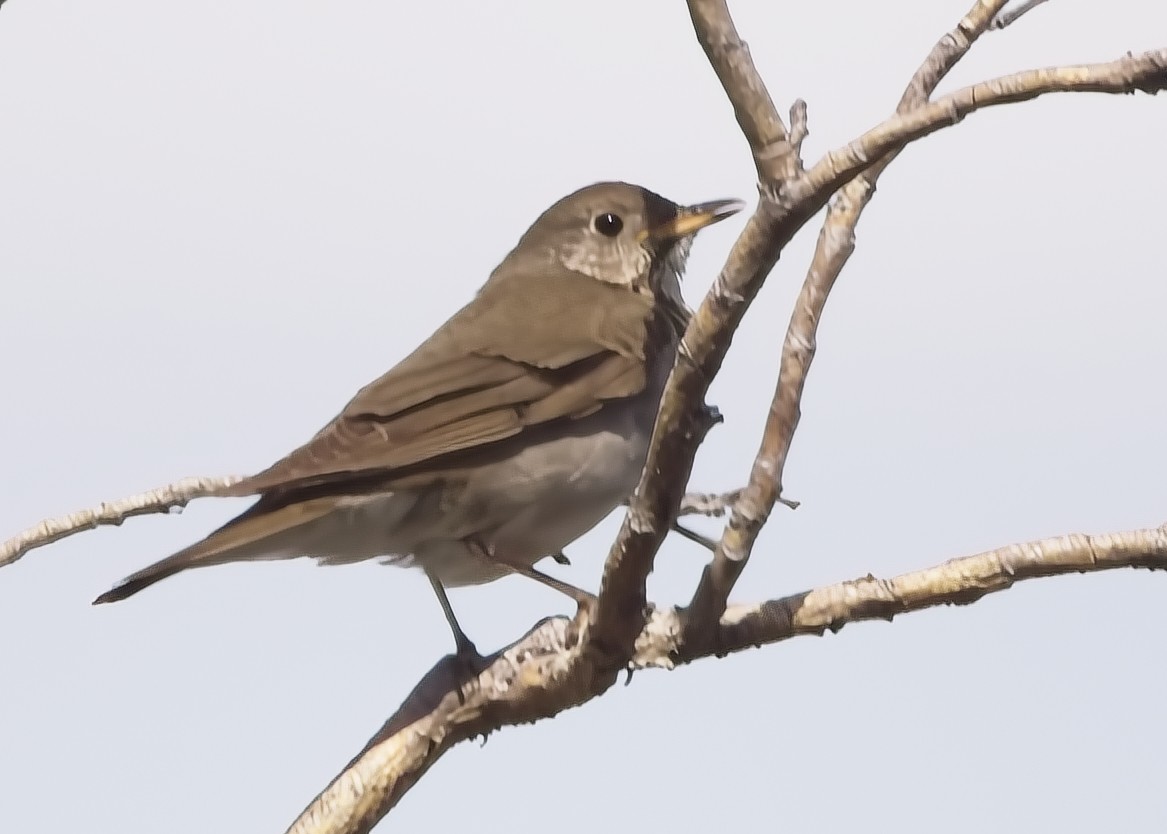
510	432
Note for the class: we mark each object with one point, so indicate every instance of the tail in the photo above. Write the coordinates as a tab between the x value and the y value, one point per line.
257	534
148	576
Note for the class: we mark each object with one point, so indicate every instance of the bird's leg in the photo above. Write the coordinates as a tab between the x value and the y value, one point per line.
582	598
464	648
694	536
561	558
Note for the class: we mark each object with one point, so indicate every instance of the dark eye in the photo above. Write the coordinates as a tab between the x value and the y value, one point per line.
608	224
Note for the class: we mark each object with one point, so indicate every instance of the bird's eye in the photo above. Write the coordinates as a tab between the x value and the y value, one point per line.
608	224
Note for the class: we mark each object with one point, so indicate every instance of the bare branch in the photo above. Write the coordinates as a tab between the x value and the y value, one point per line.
683	418
1145	72
775	156
1010	16
539	676
836	242
947	53
531	679
957	582
161	500
784	208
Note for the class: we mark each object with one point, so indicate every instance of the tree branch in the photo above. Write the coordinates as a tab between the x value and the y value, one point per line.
775	155
537	677
836	242
1145	72
162	500
784	208
683	418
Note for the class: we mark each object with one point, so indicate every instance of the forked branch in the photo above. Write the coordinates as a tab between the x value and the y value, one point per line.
537	676
836	242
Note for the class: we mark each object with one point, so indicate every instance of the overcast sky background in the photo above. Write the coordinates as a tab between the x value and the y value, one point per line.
217	221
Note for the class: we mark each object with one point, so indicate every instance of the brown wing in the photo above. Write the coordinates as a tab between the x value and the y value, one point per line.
527	350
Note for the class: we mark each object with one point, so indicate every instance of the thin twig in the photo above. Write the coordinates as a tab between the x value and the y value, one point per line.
161	500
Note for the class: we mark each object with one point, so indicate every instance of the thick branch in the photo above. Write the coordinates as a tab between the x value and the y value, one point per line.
836	242
536	677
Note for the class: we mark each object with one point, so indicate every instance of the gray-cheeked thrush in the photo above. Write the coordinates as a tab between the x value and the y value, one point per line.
510	432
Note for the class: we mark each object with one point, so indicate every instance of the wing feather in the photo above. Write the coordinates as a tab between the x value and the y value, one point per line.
528	350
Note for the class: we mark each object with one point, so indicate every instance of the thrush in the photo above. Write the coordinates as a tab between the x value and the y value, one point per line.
513	430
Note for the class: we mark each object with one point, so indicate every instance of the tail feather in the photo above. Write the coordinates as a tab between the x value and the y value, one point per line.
145	578
253	535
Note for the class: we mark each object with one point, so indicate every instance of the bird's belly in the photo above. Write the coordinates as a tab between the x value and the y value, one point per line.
550	494
522	508
552	486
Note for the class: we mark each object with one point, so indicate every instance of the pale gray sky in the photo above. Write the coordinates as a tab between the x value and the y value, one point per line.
217	221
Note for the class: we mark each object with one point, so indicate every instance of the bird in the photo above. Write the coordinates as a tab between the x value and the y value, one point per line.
515	428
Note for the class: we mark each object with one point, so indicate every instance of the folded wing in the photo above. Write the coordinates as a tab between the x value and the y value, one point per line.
531	349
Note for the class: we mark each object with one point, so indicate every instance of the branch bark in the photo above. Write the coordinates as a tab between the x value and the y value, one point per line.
533	678
1145	72
836	242
162	500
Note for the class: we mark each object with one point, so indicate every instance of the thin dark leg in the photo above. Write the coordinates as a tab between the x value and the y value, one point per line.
694	536
462	643
581	597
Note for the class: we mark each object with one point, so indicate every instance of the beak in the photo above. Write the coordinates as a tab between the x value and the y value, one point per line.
690	219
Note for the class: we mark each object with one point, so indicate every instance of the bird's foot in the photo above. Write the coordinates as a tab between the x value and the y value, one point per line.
585	603
465	651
